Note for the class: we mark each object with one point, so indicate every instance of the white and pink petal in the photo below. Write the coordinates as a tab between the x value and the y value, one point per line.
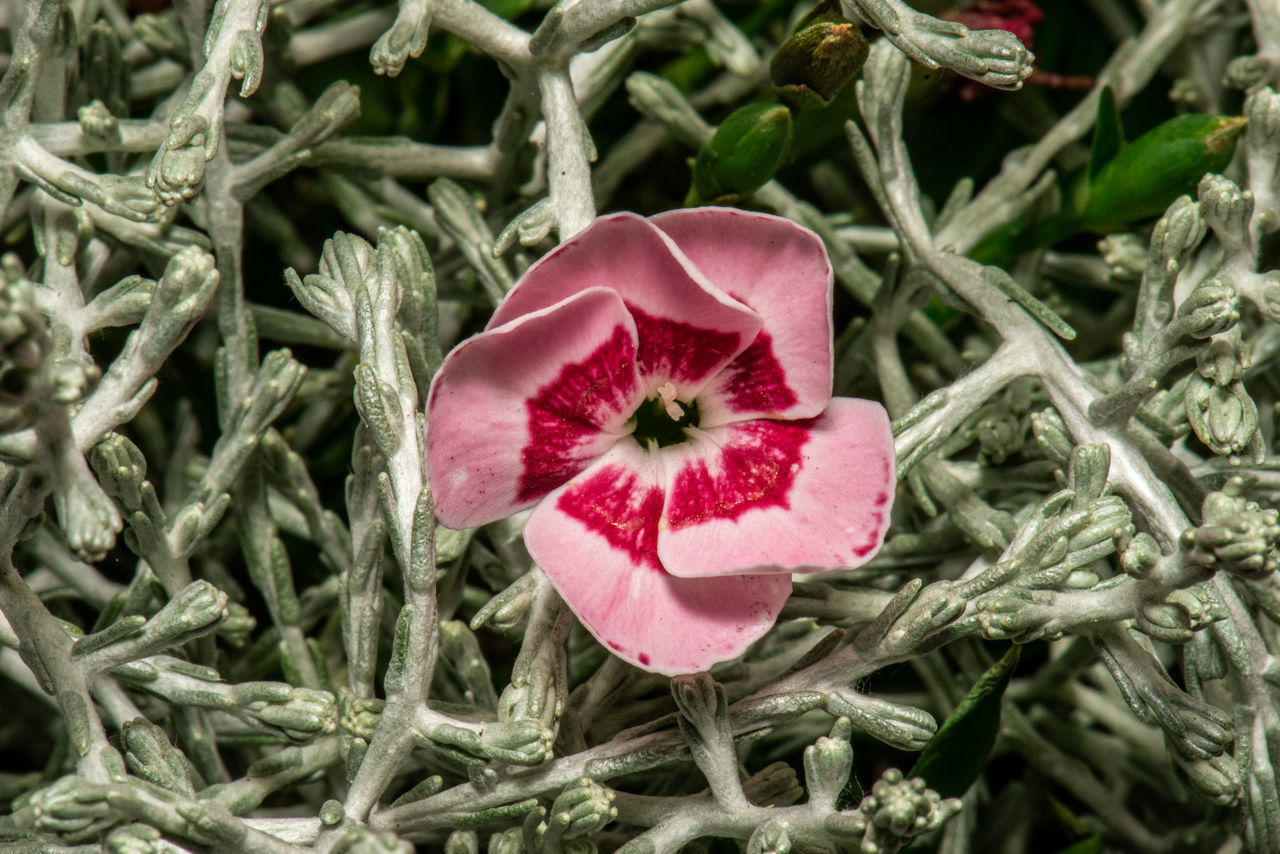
596	539
779	496
688	329
780	270
515	412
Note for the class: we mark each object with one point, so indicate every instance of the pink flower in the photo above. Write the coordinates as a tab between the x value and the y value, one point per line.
659	390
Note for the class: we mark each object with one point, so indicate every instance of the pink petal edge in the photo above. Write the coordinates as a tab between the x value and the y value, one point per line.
515	412
595	538
781	270
780	496
688	329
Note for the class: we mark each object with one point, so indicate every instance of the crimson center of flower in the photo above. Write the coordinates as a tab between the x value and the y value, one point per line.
663	419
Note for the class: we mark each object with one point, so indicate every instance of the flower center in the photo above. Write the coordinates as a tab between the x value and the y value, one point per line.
663	419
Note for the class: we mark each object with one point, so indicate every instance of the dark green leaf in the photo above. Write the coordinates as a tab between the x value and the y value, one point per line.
1088	845
1108	133
745	151
1157	167
956	755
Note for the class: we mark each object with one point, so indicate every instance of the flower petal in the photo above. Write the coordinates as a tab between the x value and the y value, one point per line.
780	496
781	270
688	329
596	539
515	412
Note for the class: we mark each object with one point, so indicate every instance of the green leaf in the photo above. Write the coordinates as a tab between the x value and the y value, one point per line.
956	755
1164	163
742	156
1108	133
1088	845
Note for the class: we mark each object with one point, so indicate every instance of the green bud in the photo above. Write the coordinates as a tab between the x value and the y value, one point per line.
744	153
1051	435
1087	474
769	838
819	58
1224	417
1156	168
1168	622
827	763
899	808
96	120
1140	555
1227	210
1237	535
1000	435
163	34
1216	778
462	842
1269	301
701	701
1125	255
150	756
583	808
1211	309
332	813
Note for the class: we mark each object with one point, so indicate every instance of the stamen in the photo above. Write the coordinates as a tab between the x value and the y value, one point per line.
667	394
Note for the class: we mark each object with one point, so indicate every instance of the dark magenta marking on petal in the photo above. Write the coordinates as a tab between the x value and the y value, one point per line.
756	468
873	543
614	505
644	658
755	381
572	408
679	351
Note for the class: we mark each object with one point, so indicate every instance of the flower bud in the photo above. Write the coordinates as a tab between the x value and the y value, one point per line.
1165	621
1216	778
1157	167
819	58
1227	209
1051	435
1269	303
163	34
1212	308
1219	408
1245	72
899	808
1087	474
1000	435
1140	555
701	700
742	156
583	808
1236	535
827	763
150	756
359	839
462	842
769	838
1223	417
1125	255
